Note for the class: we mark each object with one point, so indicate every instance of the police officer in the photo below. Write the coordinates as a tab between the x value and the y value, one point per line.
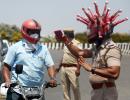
106	56
70	70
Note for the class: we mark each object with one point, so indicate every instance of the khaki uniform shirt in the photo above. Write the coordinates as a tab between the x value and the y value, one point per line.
107	56
68	57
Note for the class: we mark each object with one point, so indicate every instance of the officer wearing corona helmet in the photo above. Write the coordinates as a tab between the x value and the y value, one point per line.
106	55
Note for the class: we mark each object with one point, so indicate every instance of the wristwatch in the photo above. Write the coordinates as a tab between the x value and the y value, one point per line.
93	70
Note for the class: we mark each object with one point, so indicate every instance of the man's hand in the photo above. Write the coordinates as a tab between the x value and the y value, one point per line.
52	82
77	72
60	37
7	83
85	65
57	70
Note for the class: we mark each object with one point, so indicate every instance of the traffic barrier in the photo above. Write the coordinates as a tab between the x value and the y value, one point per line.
125	47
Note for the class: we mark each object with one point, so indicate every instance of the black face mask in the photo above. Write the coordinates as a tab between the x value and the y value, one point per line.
98	42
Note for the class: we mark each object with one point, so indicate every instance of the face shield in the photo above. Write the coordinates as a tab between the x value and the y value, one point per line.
34	33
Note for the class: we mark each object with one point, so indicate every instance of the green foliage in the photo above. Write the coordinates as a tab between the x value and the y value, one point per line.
81	37
10	32
117	37
48	39
16	36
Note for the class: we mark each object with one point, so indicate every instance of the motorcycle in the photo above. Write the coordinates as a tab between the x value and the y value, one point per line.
28	93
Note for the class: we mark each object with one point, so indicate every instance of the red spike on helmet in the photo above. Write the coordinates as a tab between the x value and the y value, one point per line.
100	25
30	27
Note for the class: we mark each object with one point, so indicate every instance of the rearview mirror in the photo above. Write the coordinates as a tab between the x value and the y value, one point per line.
18	69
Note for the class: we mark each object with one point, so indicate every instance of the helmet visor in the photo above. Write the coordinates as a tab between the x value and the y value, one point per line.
33	31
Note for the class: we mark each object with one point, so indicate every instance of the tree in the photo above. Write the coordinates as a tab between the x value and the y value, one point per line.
10	32
81	37
117	37
16	36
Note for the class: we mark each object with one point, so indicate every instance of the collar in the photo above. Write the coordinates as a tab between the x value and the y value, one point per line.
27	48
108	44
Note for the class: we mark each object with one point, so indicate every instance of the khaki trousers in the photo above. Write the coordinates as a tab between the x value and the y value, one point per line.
104	93
69	79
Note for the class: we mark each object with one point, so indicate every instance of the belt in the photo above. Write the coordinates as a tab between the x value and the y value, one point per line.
68	65
100	85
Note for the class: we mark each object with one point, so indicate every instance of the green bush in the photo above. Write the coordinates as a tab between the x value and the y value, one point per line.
117	37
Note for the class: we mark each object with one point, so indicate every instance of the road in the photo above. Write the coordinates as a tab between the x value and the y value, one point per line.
123	82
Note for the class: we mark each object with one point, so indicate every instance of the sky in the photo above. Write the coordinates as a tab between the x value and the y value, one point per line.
58	14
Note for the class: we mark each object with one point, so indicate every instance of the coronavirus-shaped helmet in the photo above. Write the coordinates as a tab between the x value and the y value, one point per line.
100	25
31	30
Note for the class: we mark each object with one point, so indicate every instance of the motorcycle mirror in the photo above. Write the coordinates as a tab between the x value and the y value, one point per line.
4	51
19	69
